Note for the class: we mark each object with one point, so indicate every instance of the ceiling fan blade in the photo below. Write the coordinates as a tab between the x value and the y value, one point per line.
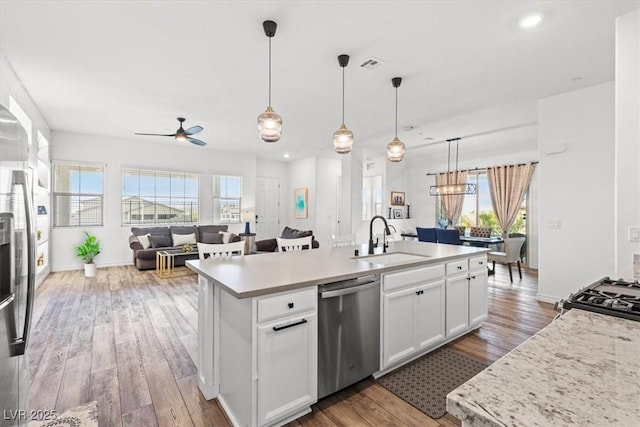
156	134
193	130
196	141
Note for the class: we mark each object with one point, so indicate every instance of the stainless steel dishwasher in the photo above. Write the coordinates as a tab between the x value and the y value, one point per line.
348	332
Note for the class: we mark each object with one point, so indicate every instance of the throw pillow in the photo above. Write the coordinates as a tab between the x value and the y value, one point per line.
183	239
144	241
227	236
160	241
212	238
292	233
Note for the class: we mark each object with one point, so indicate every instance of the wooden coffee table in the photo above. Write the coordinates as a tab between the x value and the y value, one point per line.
166	261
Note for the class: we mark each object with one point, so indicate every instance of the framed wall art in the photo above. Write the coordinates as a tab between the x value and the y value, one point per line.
301	203
397	214
397	198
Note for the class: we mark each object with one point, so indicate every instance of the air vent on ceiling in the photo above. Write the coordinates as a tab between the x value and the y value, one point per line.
372	64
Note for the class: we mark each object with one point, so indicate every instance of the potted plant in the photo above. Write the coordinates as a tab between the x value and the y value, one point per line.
87	251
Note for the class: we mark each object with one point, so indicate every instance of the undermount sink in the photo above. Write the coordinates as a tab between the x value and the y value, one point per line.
392	258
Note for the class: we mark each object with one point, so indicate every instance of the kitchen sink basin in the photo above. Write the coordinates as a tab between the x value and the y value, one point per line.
392	258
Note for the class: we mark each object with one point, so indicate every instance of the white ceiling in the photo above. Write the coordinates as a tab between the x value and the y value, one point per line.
115	68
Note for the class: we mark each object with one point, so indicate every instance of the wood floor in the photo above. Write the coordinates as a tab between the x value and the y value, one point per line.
128	340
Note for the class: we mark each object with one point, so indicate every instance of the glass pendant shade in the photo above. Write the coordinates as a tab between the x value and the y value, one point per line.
343	140
395	150
270	126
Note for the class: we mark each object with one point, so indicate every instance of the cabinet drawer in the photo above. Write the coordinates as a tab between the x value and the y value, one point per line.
286	304
455	267
415	276
477	262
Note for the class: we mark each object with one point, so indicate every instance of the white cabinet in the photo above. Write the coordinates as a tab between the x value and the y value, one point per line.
457	306
430	311
398	325
412	313
286	367
268	363
478	294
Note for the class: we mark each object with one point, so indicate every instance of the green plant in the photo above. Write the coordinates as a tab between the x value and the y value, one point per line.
89	249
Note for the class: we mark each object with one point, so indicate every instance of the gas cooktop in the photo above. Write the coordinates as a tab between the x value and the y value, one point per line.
614	297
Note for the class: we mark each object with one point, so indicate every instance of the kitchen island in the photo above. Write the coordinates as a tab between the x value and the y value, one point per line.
258	318
581	370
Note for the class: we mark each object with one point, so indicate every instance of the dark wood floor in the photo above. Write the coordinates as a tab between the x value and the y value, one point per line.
128	340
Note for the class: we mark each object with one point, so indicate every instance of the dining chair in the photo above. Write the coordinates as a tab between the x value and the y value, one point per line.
480	231
220	250
461	229
450	237
294	244
341	241
510	255
426	234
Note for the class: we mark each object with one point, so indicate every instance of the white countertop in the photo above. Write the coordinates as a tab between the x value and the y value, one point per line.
581	370
260	274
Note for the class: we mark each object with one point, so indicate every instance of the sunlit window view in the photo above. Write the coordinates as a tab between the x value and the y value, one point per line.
227	198
159	197
477	209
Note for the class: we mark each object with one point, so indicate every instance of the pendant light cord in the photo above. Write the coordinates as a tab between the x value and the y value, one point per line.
342	95
448	160
269	71
396	112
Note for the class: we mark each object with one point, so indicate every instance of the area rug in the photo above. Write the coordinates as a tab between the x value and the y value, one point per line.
425	382
81	416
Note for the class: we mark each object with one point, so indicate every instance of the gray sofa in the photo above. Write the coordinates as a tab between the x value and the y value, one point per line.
145	259
271	245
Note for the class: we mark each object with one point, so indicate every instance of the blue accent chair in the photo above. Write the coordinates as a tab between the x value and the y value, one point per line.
426	234
451	237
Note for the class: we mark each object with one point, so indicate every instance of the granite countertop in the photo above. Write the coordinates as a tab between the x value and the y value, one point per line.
581	370
262	274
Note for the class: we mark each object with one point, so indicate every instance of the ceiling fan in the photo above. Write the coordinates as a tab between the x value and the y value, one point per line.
181	134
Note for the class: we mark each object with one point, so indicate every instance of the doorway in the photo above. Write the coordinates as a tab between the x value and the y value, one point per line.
267	208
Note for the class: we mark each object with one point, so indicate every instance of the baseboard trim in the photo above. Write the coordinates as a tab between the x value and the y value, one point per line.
58	269
228	412
547	298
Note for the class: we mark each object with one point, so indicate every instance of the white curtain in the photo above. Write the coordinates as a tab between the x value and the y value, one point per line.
508	185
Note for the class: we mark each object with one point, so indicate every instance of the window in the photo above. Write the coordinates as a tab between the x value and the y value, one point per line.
159	197
371	196
77	195
477	209
227	199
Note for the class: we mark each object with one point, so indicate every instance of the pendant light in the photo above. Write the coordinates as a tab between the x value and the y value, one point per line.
455	188
269	122
343	137
395	149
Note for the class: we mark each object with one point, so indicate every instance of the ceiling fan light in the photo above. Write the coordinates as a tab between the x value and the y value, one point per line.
181	137
343	140
395	150
270	126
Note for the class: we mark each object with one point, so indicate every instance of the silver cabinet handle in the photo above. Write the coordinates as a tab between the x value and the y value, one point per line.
19	345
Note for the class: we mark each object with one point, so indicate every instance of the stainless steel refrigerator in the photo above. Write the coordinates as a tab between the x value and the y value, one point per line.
17	270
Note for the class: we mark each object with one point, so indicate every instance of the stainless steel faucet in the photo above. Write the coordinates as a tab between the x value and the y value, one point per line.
386	230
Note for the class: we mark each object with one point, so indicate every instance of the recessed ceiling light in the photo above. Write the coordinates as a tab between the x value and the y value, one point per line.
428	138
531	21
286	155
408	128
576	79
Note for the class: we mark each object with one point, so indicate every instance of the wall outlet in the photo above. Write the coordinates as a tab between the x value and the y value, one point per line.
555	224
634	234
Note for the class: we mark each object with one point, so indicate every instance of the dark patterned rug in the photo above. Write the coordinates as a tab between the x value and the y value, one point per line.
425	382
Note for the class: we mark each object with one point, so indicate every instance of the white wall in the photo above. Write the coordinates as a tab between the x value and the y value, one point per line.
576	190
302	173
327	170
627	157
114	154
11	86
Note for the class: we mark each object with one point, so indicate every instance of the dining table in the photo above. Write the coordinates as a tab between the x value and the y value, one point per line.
474	240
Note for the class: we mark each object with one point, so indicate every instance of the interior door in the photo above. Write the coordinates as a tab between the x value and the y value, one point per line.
267	208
